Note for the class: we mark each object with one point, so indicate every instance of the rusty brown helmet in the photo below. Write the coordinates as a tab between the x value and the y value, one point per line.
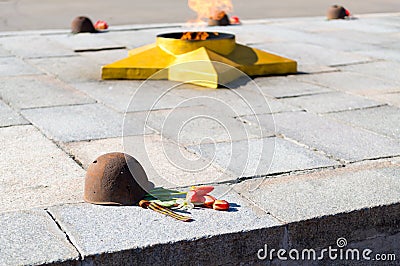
115	179
219	18
82	24
336	12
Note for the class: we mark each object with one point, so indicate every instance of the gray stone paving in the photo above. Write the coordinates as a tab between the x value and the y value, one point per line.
165	163
12	66
313	156
262	156
39	91
307	196
32	237
78	42
379	53
201	124
34	46
77	122
66	123
133	39
333	138
346	36
384	120
8	117
104	57
380	69
331	102
34	172
314	69
132	96
310	54
391	98
4	52
78	68
114	95
352	82
99	229
282	87
244	100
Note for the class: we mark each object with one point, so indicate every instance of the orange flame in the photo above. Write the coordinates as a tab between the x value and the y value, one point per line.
206	9
197	36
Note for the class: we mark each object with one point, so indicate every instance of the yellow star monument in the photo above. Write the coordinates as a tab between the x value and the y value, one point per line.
180	57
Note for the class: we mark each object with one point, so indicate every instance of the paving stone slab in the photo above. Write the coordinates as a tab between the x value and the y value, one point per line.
250	34
244	100
12	66
320	24
105	57
295	198
382	69
133	95
391	44
34	46
253	34
383	19
333	138
325	34
357	40
8	117
4	52
274	34
35	172
84	41
134	38
365	26
257	157
97	230
165	94
79	122
69	69
165	163
85	152
388	98
113	94
199	124
331	102
384	120
351	82
39	91
32	238
282	87
382	53
309	54
314	69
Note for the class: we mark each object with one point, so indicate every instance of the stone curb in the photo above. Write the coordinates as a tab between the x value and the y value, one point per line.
358	227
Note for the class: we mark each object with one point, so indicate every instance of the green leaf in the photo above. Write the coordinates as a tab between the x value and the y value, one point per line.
164	194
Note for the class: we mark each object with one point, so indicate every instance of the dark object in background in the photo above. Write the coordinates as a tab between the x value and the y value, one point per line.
115	179
219	19
337	12
82	24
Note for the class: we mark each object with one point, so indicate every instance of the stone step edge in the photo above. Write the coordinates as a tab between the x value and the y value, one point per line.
242	247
